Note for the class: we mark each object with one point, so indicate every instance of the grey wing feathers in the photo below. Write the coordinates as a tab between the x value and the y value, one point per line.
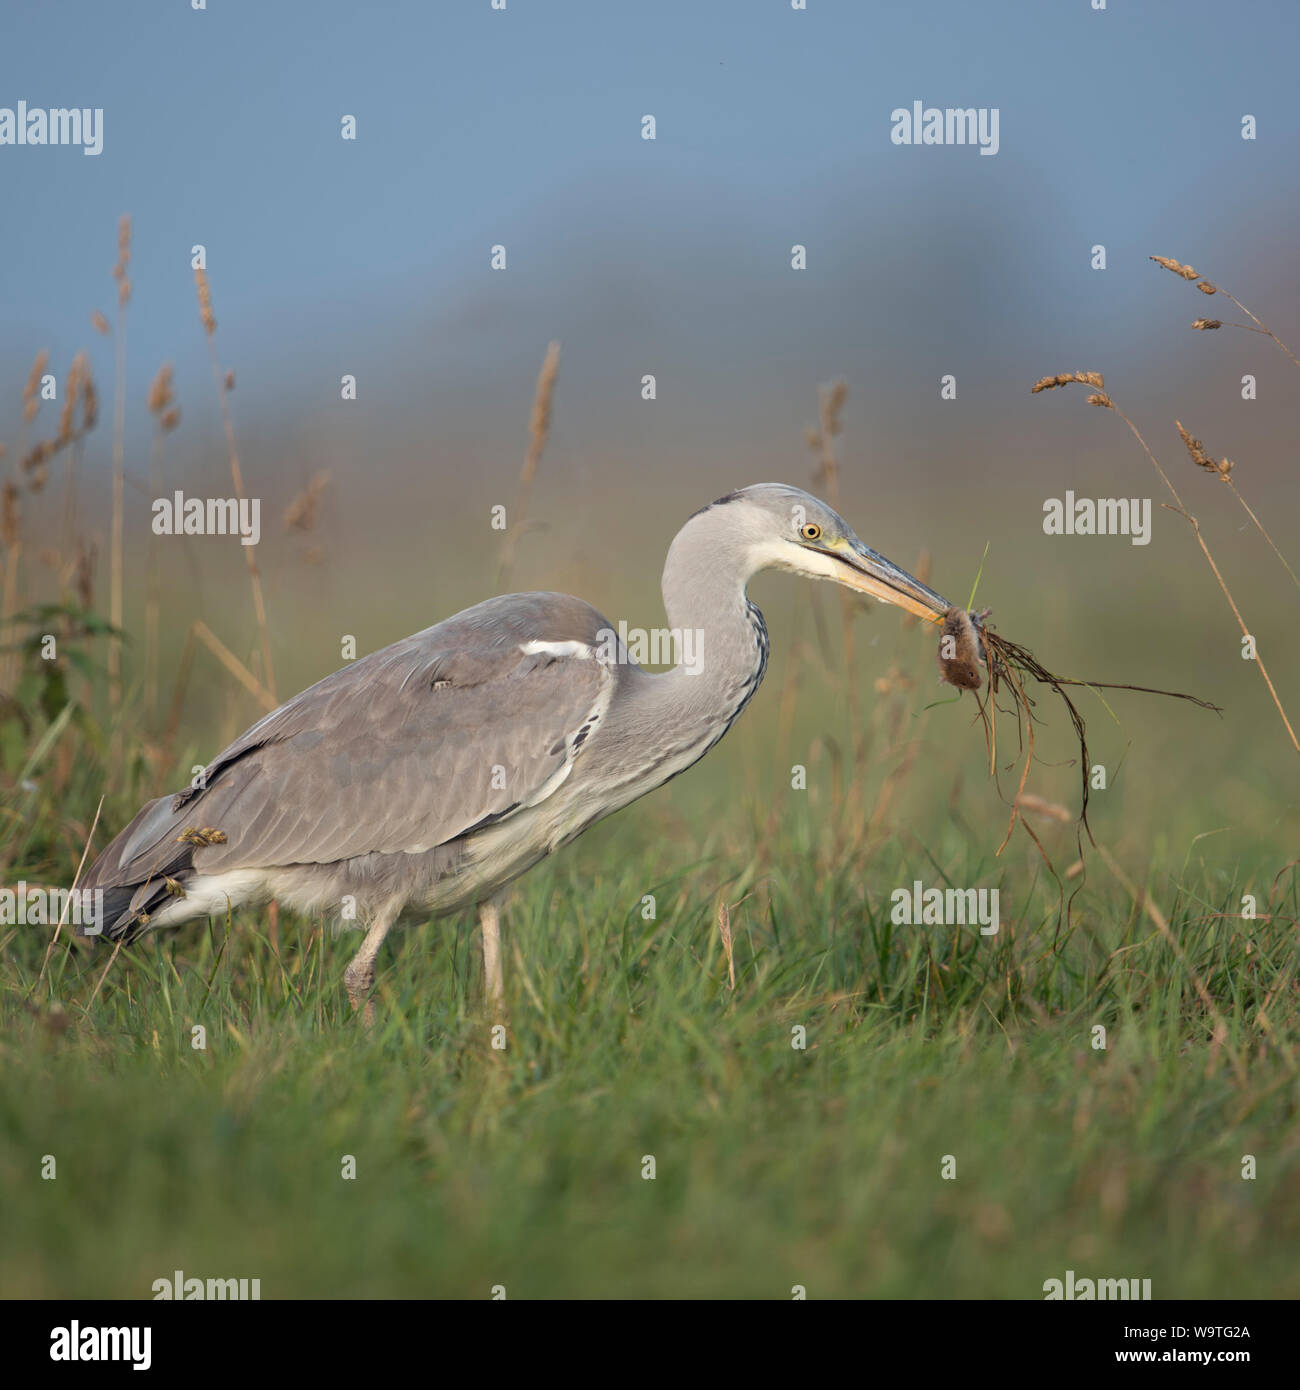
408	748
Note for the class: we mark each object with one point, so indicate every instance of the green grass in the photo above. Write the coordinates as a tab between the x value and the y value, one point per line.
775	1167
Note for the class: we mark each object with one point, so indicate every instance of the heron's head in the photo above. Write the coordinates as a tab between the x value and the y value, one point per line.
781	527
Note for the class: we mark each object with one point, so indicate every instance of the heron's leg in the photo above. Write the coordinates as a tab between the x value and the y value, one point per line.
359	977
490	925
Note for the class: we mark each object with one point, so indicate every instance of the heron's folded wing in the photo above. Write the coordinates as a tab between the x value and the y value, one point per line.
409	748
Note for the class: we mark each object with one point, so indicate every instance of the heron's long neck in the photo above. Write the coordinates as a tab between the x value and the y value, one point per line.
722	650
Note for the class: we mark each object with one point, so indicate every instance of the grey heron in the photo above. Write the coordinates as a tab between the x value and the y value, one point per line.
428	775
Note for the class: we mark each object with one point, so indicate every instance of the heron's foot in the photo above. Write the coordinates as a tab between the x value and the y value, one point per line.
359	977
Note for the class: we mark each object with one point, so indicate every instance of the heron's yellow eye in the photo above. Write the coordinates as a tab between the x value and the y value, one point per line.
811	531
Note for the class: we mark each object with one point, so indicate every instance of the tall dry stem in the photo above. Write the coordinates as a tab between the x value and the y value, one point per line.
1103	399
224	381
539	430
165	417
119	453
1223	471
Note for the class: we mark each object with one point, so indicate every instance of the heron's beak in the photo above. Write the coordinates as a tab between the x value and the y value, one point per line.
870	573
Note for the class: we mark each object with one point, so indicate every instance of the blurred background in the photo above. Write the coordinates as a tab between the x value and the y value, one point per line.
522	127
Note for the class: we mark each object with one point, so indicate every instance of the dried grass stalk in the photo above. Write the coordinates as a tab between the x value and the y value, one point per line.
539	432
1205	287
1200	540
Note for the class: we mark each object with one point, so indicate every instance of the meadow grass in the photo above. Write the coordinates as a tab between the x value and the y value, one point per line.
774	1166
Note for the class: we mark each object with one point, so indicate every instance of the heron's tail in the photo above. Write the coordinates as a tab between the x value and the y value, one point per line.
141	870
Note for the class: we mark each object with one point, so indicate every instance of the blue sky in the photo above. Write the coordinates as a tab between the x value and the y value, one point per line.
222	127
523	127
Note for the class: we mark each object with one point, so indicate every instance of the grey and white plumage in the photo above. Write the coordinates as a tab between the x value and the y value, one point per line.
428	775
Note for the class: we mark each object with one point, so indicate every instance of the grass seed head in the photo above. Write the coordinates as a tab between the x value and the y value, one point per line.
160	390
1049	383
89	401
1170	264
31	392
1200	458
205	301
539	423
9	513
85	576
72	395
303	511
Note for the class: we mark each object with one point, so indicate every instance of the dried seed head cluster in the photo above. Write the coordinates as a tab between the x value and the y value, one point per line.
9	513
89	402
79	370
98	322
831	399
205	301
1048	383
893	679
1200	458
79	391
1170	264
160	390
1207	324
85	576
123	260
33	464
539	423
303	512
31	392
1187	273
160	399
